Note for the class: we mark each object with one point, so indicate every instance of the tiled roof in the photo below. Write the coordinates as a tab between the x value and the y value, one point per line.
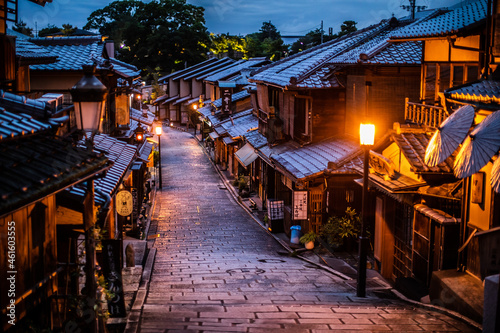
206	111
13	125
484	91
256	139
72	57
400	183
124	69
218	117
237	124
201	64
235	97
292	70
310	160
37	166
462	16
73	52
16	103
241	126
413	147
222	75
139	116
323	78
119	152
66	40
207	68
29	53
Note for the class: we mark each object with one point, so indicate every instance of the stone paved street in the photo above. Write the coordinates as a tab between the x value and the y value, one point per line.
217	270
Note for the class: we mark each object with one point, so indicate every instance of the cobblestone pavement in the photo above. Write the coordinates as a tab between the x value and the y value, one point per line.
217	270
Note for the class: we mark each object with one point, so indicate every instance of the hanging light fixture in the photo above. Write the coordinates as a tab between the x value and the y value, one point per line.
89	95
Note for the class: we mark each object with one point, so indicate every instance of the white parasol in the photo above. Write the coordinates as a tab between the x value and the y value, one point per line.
449	135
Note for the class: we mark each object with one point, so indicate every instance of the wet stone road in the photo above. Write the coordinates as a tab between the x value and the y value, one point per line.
217	270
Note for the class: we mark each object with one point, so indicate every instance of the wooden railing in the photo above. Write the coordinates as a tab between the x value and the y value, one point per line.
424	114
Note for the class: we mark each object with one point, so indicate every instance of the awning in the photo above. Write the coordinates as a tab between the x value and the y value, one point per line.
246	155
436	215
213	135
180	100
170	100
228	140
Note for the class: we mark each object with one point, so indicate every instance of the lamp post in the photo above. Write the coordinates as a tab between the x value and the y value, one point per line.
367	137
158	131
89	96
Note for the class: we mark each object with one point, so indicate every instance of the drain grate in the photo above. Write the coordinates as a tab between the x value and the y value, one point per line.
246	270
271	261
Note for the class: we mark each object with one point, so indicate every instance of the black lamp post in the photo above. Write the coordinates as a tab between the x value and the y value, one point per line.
367	137
89	96
158	131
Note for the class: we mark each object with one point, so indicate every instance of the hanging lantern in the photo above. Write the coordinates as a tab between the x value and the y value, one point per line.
89	96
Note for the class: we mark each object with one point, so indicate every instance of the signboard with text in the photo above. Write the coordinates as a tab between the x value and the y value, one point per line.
226	100
300	205
124	203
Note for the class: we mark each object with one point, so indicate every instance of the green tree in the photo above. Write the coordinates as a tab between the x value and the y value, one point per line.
23	28
49	30
313	38
266	43
165	33
232	46
347	27
68	29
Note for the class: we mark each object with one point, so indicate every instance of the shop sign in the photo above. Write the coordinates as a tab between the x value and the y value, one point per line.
300	205
124	203
226	100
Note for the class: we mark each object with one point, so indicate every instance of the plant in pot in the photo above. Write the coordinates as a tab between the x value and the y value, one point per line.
342	231
308	240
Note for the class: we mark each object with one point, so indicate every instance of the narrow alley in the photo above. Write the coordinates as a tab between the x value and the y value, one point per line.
217	270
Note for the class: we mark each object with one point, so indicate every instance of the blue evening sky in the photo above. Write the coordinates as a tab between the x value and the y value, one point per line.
240	17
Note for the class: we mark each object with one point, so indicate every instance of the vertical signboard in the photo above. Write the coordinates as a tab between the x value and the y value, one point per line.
226	100
300	205
112	270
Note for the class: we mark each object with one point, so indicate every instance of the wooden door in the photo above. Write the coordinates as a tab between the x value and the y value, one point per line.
316	207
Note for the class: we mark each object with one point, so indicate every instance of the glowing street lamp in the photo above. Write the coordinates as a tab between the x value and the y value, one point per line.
89	96
367	138
158	131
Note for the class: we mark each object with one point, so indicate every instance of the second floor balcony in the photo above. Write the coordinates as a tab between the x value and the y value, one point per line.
424	114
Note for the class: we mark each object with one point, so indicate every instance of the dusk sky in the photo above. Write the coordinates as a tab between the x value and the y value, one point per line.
240	17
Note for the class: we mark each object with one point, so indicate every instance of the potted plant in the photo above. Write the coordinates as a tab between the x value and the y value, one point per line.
308	240
342	231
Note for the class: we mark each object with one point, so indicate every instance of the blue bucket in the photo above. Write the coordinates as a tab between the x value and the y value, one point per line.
295	234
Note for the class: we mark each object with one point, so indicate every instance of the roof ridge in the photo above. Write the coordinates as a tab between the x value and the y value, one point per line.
377	29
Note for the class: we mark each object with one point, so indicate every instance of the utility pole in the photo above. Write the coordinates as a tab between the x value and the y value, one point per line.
321	31
412	8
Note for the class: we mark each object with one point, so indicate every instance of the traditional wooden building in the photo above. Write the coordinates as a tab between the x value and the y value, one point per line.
455	51
317	98
36	166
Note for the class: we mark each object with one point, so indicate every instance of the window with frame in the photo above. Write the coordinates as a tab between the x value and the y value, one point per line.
274	95
442	76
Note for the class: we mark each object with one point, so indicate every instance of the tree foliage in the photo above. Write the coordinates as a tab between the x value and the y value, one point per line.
313	38
165	33
232	46
23	28
49	30
266	43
